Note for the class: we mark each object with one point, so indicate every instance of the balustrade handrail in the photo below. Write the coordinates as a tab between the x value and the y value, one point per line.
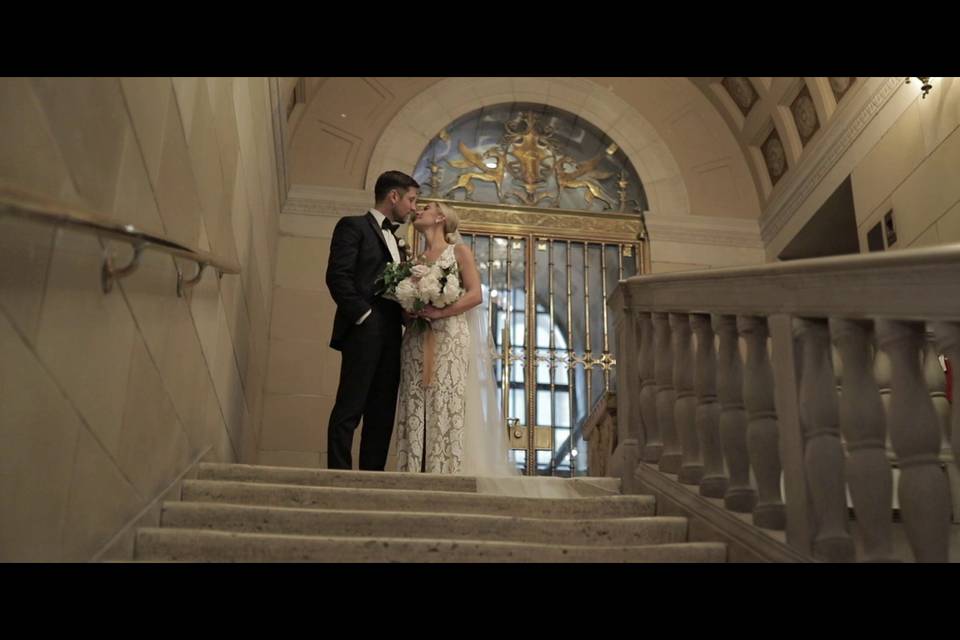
765	385
46	210
910	284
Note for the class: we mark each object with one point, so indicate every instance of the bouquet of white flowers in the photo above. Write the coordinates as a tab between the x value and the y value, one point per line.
415	286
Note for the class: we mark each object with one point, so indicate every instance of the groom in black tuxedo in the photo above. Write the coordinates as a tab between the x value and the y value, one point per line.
367	328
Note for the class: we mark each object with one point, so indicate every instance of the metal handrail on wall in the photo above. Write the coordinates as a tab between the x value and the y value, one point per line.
43	209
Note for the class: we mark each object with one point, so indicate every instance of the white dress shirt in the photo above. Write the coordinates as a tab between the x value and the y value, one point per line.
391	241
389	237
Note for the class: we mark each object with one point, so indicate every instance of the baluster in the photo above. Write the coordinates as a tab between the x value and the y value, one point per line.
864	426
763	439
629	425
837	377
714	482
881	371
653	446
837	362
823	453
937	383
937	387
685	404
740	496
948	340
671	458
915	433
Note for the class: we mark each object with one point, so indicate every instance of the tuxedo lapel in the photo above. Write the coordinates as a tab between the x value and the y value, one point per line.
378	231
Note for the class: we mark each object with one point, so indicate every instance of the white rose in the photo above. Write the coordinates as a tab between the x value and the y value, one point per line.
419	270
406	293
436	271
430	288
451	290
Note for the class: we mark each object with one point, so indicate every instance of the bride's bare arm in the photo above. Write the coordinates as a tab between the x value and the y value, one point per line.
469	279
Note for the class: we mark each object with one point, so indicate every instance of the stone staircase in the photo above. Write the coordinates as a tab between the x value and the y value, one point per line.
242	513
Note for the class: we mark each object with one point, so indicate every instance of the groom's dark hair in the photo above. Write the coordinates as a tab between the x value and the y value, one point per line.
390	180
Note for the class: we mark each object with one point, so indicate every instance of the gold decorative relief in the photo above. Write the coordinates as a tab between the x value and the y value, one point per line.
558	224
531	156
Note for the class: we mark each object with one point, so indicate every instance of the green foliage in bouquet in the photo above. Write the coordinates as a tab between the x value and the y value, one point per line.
392	275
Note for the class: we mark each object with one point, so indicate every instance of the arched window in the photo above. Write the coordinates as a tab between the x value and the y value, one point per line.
530	155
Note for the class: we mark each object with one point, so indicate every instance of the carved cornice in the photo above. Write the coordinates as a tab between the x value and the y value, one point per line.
724	232
327	201
839	138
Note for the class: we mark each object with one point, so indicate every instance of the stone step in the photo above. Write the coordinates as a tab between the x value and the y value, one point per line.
190	545
520	485
339	498
336	478
393	524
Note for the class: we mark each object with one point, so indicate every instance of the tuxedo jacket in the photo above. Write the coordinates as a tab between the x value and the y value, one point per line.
358	256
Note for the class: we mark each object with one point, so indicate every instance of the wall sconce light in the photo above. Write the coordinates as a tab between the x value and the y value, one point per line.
925	85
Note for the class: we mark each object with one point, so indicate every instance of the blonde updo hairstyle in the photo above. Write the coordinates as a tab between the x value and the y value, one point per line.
450	224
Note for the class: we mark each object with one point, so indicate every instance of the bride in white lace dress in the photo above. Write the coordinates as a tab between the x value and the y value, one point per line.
448	420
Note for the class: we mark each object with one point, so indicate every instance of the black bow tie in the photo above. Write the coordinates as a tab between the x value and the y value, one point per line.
389	226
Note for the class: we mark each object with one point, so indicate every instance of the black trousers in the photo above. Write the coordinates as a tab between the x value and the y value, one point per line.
369	379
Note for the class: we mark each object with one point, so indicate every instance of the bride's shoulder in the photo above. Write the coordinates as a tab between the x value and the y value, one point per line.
462	251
